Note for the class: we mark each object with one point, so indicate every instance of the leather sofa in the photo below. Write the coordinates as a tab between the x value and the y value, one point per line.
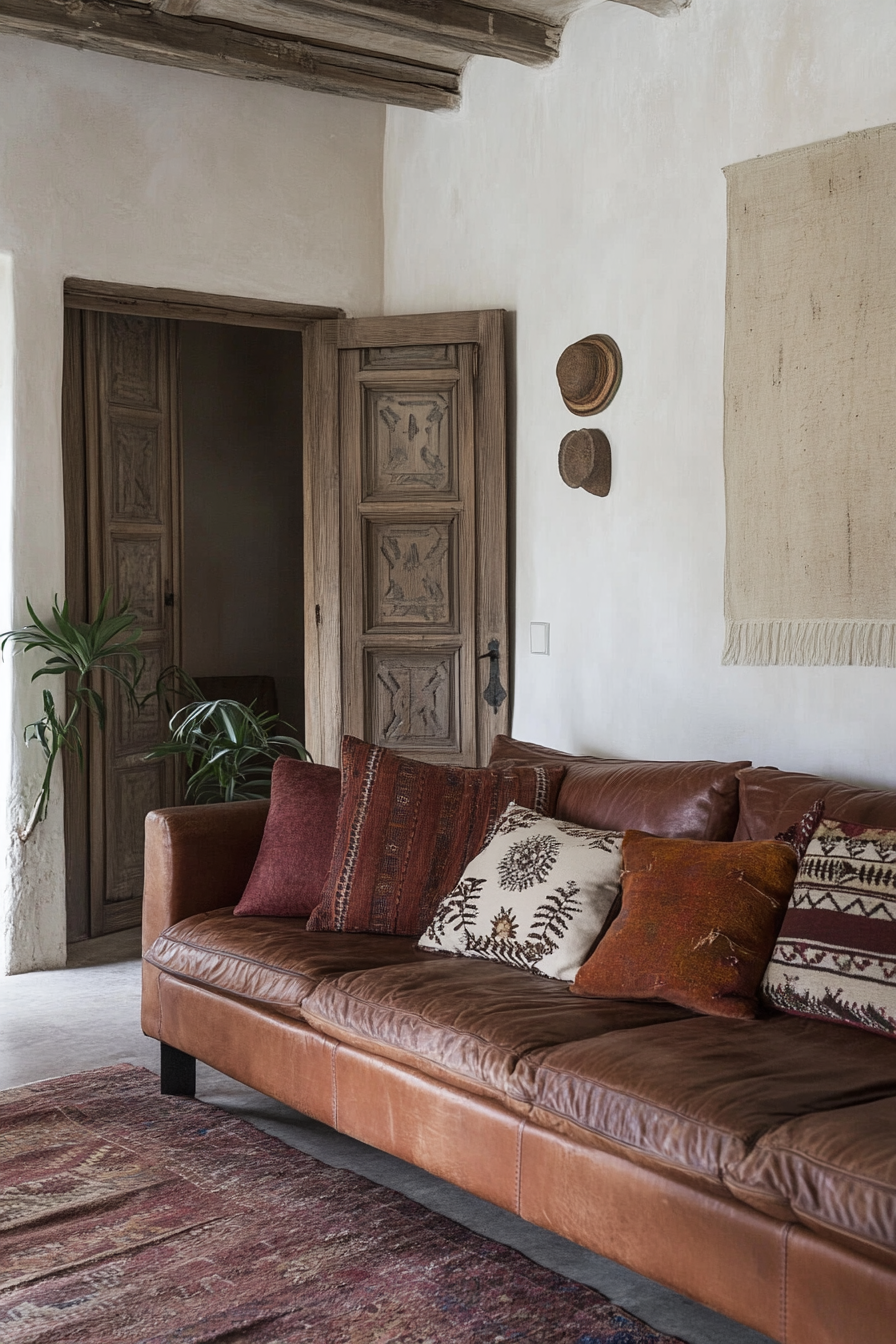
750	1165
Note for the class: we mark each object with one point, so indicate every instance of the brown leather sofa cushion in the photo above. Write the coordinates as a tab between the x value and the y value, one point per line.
835	1172
690	800
272	961
696	1095
465	1021
772	800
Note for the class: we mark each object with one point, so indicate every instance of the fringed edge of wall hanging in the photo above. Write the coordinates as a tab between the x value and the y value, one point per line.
810	643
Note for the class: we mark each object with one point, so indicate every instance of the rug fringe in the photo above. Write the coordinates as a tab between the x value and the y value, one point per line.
810	643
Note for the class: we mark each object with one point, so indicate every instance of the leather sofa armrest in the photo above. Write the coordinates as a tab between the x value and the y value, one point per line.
197	859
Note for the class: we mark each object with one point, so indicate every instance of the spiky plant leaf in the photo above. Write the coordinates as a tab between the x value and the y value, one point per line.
229	750
86	650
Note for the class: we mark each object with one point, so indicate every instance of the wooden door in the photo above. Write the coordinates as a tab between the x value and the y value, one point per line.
131	430
406	535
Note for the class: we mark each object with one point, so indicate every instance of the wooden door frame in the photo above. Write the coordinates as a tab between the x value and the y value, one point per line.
76	807
105	533
323	638
191	306
80	295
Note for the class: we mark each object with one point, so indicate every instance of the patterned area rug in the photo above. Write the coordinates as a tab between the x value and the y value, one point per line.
126	1216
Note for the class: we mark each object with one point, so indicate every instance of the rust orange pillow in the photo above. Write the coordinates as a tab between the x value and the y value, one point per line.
697	924
406	831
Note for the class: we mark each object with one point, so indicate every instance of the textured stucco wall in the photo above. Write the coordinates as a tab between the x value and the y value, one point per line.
120	171
590	197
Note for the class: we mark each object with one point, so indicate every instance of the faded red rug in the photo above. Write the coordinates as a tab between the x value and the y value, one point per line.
126	1216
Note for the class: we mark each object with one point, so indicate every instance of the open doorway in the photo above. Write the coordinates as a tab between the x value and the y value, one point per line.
182	449
241	445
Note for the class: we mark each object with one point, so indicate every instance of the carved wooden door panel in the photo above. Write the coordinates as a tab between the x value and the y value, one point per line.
133	547
406	572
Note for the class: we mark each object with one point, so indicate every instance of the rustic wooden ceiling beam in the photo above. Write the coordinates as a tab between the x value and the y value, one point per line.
473	29
182	7
131	28
330	30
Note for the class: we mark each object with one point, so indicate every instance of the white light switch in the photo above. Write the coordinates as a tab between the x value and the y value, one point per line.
539	637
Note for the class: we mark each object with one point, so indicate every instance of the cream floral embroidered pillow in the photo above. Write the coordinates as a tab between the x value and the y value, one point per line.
536	896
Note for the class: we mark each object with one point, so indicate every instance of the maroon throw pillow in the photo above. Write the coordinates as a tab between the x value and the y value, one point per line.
297	844
407	830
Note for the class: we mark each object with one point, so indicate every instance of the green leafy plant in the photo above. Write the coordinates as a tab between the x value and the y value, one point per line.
229	748
104	647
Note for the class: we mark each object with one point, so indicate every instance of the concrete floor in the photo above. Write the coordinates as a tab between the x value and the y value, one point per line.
87	1016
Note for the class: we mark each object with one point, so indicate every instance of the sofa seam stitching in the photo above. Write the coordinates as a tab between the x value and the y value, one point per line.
636	1096
159	997
409	1012
232	956
320	1024
625	1143
735	1185
713	1173
335	1102
834	1227
807	1160
785	1242
223	989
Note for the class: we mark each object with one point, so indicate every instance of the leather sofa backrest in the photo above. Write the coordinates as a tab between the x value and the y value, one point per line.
772	800
688	800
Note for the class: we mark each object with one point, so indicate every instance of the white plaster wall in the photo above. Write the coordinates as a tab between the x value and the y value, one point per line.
590	197
119	171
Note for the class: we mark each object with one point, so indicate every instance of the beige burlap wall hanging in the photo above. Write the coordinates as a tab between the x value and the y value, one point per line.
810	405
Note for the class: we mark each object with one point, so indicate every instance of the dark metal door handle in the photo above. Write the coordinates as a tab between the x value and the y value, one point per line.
494	693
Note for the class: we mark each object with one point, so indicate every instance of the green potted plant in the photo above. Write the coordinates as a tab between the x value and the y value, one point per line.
89	651
229	748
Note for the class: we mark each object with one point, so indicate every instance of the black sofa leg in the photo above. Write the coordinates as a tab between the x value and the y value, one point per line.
178	1072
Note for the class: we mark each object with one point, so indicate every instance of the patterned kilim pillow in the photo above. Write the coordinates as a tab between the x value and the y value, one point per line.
406	830
536	897
835	957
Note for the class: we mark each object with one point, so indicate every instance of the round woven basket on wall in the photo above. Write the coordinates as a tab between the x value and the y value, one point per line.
589	373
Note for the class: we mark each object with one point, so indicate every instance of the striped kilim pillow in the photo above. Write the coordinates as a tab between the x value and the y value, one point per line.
406	831
835	957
